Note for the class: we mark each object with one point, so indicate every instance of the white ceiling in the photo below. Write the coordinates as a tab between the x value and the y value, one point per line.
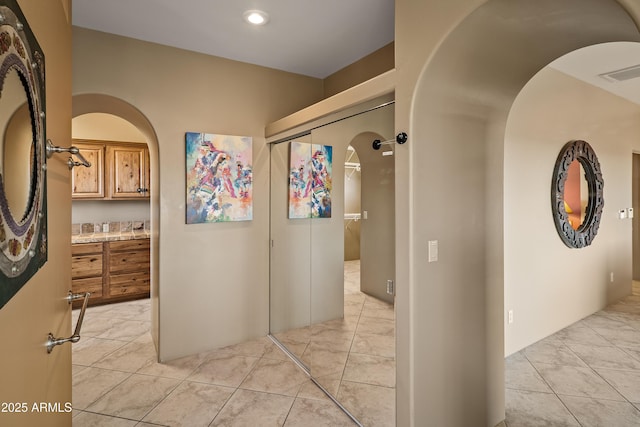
588	63
310	37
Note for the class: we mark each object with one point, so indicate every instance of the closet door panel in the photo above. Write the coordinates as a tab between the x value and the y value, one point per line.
290	291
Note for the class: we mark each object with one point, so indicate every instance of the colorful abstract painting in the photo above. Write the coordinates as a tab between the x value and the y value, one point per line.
310	180
219	178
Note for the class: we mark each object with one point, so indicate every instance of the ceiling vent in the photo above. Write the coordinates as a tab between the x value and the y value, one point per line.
622	75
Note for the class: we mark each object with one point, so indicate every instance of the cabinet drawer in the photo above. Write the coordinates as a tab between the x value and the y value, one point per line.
93	285
86	248
129	284
129	245
126	262
86	266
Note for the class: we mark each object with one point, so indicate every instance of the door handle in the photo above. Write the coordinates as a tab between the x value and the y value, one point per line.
52	341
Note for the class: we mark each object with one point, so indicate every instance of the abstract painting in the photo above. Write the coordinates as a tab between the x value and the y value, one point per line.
310	180
219	178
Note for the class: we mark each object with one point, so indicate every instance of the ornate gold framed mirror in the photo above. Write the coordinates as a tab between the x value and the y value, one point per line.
579	232
23	210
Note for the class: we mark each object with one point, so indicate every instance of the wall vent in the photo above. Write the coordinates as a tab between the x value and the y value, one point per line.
622	75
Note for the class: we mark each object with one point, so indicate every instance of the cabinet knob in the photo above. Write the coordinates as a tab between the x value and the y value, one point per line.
140	190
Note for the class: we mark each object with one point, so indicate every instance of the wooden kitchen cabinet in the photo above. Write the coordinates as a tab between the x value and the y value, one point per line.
112	271
119	171
129	268
87	270
88	183
128	171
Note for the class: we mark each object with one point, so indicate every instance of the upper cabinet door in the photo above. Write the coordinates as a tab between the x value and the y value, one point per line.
127	171
88	183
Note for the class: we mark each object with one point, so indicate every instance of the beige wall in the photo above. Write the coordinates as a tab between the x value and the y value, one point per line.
457	78
542	275
414	44
105	127
203	282
28	373
364	69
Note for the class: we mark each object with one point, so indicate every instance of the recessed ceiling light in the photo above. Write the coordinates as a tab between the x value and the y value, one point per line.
256	17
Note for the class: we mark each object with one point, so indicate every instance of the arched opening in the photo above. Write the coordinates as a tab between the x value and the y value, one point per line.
99	103
460	110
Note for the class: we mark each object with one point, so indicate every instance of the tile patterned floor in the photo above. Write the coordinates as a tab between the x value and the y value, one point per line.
117	381
353	358
587	374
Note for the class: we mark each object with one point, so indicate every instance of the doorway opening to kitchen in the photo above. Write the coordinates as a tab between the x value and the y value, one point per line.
115	219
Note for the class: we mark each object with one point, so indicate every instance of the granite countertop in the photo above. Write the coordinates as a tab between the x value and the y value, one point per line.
110	236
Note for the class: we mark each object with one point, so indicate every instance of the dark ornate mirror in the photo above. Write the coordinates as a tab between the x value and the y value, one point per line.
577	194
23	213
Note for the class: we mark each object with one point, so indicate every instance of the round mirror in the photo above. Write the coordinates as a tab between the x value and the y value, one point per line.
23	238
577	194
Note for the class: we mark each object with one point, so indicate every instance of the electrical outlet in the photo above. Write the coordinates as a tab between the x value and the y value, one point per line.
611	277
510	316
105	227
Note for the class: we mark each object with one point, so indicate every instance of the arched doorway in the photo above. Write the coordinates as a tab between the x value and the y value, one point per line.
459	113
99	103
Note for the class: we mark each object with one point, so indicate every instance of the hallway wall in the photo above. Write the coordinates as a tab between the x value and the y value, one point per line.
548	285
457	78
208	296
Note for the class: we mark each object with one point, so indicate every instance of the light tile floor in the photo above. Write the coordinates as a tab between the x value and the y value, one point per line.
587	374
353	358
117	381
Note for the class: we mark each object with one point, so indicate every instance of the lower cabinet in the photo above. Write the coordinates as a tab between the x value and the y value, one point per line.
129	263
112	271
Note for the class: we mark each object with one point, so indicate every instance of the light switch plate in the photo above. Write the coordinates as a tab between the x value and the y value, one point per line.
433	250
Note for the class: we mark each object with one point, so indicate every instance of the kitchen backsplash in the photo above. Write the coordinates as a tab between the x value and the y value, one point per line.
110	227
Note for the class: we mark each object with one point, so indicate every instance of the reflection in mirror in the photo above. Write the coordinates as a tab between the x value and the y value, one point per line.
290	289
576	194
337	317
352	313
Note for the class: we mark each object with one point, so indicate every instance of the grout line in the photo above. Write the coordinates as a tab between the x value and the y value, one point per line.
623	349
551	388
293	402
161	400
120	317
